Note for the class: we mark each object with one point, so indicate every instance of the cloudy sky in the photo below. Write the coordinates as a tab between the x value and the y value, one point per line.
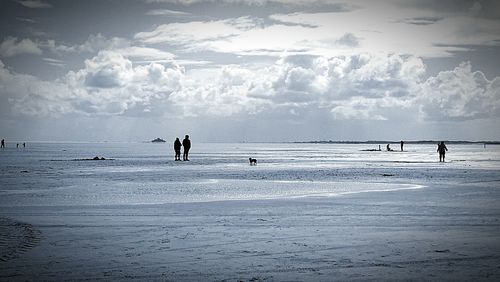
249	70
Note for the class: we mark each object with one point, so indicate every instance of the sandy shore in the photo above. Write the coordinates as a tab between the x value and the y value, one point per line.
434	233
142	217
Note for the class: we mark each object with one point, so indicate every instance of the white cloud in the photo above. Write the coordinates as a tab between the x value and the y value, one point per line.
54	62
27	95
460	94
349	40
52	46
167	12
191	32
97	43
360	87
34	4
108	84
12	46
384	28
223	93
357	109
27	20
357	87
145	54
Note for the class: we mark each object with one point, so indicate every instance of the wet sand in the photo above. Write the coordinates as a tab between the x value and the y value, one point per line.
446	227
435	233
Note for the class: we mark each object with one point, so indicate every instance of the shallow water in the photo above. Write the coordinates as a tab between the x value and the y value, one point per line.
54	174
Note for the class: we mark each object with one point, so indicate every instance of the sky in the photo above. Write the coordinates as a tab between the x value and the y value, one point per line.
249	70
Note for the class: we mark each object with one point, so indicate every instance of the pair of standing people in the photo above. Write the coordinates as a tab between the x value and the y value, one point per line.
186	143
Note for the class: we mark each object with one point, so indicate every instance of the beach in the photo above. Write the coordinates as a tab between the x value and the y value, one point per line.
305	212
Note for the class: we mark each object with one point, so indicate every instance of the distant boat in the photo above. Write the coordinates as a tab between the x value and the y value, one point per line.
158	140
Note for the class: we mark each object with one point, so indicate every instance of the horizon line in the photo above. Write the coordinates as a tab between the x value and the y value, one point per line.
242	142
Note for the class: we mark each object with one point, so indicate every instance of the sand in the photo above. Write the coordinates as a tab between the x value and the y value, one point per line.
429	223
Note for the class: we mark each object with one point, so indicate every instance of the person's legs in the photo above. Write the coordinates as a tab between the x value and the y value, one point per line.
187	154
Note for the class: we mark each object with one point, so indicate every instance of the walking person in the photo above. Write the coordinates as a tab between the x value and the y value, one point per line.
3	144
442	151
186	143
177	149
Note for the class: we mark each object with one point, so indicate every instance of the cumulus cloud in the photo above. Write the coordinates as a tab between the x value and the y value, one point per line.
28	95
112	84
108	84
226	93
460	94
356	87
98	42
12	46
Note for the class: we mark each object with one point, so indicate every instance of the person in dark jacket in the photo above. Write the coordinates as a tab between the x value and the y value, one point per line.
441	150
186	143
177	149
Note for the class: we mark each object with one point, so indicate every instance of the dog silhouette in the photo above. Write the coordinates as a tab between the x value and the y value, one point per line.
252	161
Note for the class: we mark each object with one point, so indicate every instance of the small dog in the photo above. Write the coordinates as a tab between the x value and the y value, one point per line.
252	161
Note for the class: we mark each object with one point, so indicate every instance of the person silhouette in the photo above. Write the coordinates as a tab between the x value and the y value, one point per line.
388	148
442	151
177	149
3	144
402	143
24	144
17	145
186	143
